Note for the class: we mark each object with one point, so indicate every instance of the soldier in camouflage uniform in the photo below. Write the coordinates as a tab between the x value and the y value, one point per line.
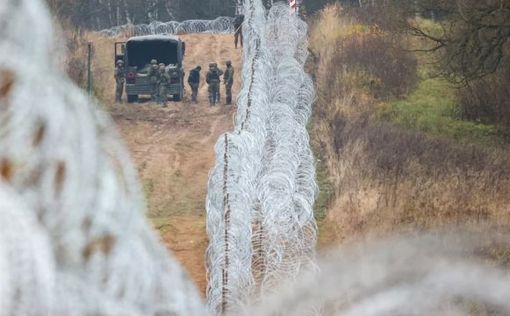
194	82
153	78
213	80
217	91
120	79
163	81
228	79
238	29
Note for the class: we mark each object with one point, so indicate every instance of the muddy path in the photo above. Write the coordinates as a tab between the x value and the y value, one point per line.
173	149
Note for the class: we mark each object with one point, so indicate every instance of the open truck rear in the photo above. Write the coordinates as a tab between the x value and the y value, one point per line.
137	53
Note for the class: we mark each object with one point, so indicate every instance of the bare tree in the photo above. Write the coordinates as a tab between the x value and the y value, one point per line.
98	14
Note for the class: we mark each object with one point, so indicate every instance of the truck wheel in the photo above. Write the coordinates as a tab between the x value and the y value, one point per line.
132	98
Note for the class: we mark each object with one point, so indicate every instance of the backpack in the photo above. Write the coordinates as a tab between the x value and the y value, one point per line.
194	76
214	75
238	20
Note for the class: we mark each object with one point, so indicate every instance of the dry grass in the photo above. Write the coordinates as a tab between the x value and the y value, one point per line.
384	178
173	147
487	99
103	66
75	45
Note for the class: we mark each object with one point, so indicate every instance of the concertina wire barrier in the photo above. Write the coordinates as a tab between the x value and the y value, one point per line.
260	221
63	168
74	239
220	25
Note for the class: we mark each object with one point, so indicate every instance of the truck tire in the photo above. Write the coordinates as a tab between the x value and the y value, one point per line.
132	98
178	97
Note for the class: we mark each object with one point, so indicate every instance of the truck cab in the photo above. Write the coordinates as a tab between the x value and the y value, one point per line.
138	51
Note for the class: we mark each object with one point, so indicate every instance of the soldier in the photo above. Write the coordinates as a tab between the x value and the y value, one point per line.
238	28
217	90
228	79
194	82
153	78
163	81
303	12
120	79
213	80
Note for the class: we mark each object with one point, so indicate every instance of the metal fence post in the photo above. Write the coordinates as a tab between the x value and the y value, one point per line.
89	66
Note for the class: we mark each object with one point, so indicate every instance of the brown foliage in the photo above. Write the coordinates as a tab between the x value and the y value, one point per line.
358	57
389	70
386	179
76	62
6	82
488	100
480	31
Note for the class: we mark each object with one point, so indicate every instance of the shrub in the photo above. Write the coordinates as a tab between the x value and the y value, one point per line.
385	177
76	58
487	100
363	57
376	63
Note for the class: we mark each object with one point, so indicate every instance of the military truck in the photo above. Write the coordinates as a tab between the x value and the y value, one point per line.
138	51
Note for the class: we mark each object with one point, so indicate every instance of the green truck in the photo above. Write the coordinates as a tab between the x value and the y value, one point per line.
138	51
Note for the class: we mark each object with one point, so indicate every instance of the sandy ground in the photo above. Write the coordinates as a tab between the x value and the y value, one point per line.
173	149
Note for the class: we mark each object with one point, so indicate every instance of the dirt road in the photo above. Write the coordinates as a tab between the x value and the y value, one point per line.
173	151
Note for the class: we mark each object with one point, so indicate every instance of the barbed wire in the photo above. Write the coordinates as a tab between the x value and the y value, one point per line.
220	25
271	166
74	239
92	250
287	215
427	274
231	190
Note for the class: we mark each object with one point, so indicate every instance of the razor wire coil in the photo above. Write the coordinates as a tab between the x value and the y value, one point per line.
74	240
272	171
220	25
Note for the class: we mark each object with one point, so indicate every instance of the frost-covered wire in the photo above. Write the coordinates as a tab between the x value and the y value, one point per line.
231	192
74	241
27	269
287	185
264	167
220	25
63	159
406	275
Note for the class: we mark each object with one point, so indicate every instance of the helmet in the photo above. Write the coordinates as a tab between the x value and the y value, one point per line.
120	62
154	61
215	65
211	65
161	65
228	63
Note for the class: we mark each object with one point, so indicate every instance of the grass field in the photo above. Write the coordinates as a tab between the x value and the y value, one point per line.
431	109
395	155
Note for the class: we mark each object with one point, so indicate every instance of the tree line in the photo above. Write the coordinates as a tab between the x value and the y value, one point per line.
473	44
100	14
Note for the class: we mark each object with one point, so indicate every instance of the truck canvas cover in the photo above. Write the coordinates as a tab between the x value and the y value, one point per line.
162	48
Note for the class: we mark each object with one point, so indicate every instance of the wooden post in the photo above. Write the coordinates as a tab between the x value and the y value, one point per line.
89	68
